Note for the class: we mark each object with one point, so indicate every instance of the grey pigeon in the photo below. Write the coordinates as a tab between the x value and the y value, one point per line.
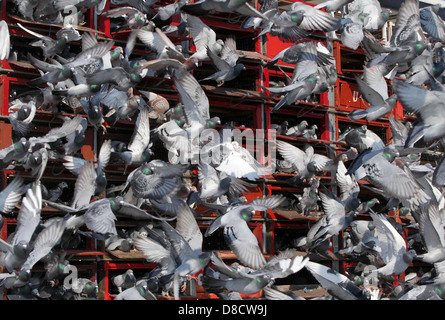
50	46
76	139
349	187
313	18
203	36
21	116
186	240
299	90
100	216
308	201
46	240
155	180
138	150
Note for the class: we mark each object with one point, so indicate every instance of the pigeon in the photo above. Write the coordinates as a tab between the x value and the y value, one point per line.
230	279
204	7
76	139
155	179
432	23
394	252
186	244
337	219
46	239
313	18
11	195
21	117
125	280
51	47
138	150
299	90
349	187
378	105
203	37
236	230
425	292
426	104
306	162
280	128
308	201
157	104
140	291
100	216
337	284
297	131
17	250
431	230
96	175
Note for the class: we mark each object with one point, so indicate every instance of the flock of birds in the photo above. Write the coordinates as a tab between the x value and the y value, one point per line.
101	81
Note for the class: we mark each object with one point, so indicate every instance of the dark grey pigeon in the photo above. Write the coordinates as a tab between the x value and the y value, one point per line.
17	249
432	23
426	104
237	233
204	7
379	105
